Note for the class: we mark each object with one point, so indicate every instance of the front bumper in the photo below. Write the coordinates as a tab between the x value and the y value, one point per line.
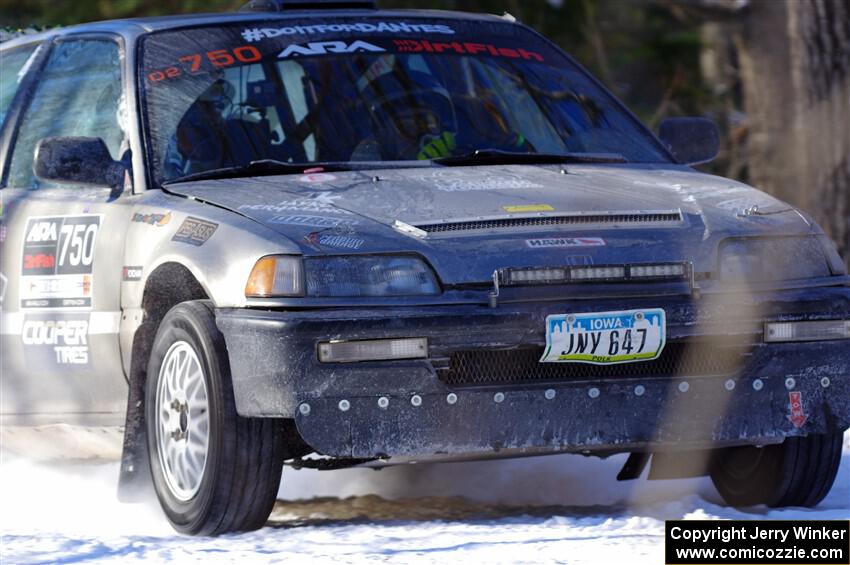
276	373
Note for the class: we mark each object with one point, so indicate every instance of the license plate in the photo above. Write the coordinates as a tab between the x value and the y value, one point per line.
603	338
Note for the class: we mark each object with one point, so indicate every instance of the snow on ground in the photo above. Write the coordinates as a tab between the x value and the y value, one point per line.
562	508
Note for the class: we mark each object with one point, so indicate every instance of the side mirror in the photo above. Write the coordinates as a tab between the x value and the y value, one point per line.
691	140
77	160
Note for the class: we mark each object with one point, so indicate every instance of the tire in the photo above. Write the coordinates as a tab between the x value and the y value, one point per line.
231	483
798	472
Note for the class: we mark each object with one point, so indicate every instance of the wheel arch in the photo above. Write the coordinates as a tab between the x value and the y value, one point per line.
169	284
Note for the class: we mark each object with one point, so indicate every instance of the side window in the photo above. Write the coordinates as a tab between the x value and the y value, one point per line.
79	94
14	63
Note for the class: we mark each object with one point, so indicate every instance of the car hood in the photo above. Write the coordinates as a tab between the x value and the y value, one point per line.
479	219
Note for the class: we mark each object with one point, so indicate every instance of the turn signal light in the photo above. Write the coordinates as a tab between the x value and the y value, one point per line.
807	331
276	275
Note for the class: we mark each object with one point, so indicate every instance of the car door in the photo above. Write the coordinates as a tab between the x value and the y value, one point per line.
63	247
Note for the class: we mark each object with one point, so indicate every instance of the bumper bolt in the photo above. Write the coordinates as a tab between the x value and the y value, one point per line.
498	397
593	393
451	398
304	409
790	383
639	390
383	402
344	405
729	384
684	386
549	394
758	384
416	400
824	382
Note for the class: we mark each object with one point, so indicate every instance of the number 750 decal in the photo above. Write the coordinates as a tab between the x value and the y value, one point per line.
218	58
60	245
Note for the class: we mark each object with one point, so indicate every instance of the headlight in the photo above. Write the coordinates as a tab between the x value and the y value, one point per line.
352	276
772	259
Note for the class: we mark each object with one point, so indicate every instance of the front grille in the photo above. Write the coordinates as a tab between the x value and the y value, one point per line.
522	366
563	220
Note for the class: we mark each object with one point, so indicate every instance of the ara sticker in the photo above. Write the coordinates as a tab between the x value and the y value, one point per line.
254	34
528	208
195	231
797	416
151	219
57	261
326	47
565	242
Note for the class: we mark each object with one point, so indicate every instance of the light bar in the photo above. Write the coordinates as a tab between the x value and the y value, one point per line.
373	350
806	331
598	273
665	271
517	276
536	276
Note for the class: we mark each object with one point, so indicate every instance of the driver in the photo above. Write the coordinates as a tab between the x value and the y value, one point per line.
414	117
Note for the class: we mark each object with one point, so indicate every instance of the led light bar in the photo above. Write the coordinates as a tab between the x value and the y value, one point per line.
598	273
373	350
663	271
519	276
806	331
531	275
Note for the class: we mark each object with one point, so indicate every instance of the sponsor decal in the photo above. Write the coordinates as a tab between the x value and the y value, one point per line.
317	177
528	208
217	59
319	203
57	260
337	241
254	34
67	338
195	231
795	404
151	219
36	263
565	242
464	48
457	180
131	274
328	47
312	221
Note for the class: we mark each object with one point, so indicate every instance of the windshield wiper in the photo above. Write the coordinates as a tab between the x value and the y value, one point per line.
498	157
263	167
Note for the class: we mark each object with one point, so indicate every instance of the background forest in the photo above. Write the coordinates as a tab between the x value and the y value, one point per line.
774	74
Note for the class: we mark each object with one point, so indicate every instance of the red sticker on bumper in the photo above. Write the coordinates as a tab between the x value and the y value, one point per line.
797	416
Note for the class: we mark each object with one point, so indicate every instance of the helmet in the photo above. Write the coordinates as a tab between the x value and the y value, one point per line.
408	109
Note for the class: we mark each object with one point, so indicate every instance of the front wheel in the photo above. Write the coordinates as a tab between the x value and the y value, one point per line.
213	471
798	472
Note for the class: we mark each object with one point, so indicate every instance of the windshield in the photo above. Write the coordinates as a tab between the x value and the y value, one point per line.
367	90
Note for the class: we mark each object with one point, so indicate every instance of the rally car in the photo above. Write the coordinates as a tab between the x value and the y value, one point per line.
332	235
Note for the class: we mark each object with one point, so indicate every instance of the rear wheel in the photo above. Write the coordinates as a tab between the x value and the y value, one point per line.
213	471
798	472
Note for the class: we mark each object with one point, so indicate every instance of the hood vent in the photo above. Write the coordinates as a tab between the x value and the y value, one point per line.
579	219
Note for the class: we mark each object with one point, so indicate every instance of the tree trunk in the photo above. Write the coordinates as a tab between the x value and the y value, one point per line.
795	71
